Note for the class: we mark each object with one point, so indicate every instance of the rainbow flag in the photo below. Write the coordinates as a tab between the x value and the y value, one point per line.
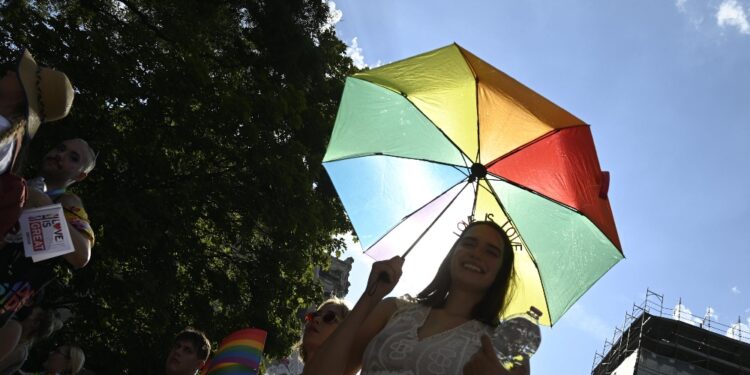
239	353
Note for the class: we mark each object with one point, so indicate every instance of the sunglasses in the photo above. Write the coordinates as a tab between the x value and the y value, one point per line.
328	317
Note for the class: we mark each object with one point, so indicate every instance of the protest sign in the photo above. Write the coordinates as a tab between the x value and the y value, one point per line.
45	232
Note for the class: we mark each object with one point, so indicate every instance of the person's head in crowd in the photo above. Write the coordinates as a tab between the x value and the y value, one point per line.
37	93
190	350
38	323
320	324
69	162
66	359
480	262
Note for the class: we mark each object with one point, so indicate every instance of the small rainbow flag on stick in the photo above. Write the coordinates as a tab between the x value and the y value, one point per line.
239	353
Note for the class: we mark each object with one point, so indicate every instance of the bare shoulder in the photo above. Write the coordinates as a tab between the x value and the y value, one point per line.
388	306
382	313
70	199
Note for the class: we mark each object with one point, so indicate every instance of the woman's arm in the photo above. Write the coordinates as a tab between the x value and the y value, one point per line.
342	352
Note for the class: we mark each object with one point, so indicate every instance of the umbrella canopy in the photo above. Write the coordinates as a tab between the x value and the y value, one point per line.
425	143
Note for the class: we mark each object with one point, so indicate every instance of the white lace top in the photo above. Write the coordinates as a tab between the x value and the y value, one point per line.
397	349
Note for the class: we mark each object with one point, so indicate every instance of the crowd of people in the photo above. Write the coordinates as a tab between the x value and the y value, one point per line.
32	95
444	330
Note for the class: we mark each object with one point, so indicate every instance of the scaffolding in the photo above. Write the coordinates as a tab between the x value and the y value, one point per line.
652	330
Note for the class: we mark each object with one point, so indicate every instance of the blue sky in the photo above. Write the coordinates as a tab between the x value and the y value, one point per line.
664	85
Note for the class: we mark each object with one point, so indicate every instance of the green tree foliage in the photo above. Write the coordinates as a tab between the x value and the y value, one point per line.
209	199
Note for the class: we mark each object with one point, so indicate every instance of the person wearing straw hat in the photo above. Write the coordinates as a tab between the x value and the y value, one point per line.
29	96
34	94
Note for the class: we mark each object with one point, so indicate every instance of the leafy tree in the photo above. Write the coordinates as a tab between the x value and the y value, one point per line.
209	200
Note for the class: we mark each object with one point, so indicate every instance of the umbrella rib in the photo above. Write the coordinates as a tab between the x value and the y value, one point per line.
476	97
433	222
498	178
528	251
358	156
406	97
415	211
533	141
503	179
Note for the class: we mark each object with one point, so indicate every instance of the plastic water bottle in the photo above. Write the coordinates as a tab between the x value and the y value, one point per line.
517	338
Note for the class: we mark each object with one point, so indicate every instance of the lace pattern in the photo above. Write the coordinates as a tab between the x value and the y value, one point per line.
398	350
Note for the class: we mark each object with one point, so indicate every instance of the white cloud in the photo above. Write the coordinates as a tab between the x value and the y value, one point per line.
589	322
355	53
683	314
739	331
693	11
731	13
680	4
736	290
334	15
710	315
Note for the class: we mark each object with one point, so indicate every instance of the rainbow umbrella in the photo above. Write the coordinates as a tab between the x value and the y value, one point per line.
423	144
239	353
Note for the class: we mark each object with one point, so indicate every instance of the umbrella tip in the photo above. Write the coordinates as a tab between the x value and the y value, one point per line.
477	171
604	187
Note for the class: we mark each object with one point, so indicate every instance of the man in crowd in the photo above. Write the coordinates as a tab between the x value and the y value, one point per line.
69	162
188	354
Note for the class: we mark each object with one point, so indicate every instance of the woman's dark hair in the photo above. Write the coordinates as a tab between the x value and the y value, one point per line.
497	295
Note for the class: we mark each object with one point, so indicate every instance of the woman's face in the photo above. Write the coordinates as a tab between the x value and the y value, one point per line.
477	258
58	359
319	325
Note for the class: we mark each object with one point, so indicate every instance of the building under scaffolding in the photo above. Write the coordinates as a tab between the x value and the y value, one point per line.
657	340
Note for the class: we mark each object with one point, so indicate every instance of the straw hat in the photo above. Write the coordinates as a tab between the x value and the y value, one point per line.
49	93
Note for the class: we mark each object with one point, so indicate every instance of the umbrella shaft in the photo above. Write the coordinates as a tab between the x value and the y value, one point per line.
433	223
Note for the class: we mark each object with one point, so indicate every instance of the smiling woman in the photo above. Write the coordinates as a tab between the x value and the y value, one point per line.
444	331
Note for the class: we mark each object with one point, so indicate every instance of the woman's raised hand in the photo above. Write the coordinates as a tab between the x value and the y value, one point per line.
384	277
